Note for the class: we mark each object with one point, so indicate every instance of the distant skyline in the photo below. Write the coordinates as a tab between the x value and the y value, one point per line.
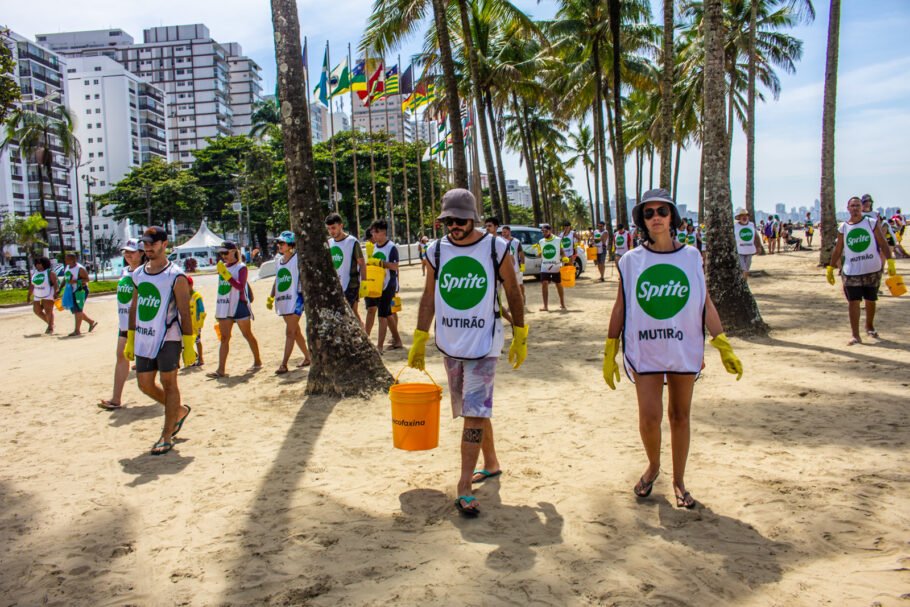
873	118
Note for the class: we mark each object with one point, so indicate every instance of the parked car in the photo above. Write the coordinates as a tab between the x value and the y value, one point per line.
13	272
528	237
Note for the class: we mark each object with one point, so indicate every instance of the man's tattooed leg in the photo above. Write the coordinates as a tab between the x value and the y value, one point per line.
472	435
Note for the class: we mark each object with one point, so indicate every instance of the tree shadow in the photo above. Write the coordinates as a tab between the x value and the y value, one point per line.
128	415
854	352
147	467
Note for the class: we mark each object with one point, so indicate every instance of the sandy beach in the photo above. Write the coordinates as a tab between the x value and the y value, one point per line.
271	498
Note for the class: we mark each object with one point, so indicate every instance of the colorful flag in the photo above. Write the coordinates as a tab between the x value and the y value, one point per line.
391	82
375	86
340	80
407	81
359	77
323	87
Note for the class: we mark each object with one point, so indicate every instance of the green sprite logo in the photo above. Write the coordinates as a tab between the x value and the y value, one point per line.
149	302
283	280
549	251
746	235
858	240
462	283
566	242
620	240
38	279
662	291
379	255
681	237
125	290
690	239
224	287
337	256
67	276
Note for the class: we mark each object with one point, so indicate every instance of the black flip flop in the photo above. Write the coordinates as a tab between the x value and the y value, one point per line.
485	474
682	501
646	486
162	445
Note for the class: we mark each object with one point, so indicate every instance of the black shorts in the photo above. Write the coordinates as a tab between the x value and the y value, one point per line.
352	293
601	258
166	361
385	300
554	277
242	312
869	293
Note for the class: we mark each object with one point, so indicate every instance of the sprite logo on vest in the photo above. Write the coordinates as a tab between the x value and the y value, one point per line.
125	290
224	287
620	240
337	257
149	302
283	280
662	291
463	283
549	251
566	242
746	235
67	276
858	240
681	237
38	279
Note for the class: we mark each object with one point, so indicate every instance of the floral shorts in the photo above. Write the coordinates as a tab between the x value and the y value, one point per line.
471	386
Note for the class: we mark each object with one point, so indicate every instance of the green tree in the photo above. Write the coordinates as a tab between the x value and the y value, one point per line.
265	119
26	233
156	193
9	90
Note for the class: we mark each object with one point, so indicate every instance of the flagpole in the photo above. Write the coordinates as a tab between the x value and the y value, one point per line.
388	156
432	179
404	166
475	159
370	129
328	77
419	154
354	143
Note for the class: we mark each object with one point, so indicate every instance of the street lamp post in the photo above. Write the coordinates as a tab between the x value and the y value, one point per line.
89	180
76	164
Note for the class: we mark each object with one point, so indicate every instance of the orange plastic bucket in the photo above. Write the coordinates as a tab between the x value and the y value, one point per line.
415	415
567	276
396	304
374	280
592	253
896	285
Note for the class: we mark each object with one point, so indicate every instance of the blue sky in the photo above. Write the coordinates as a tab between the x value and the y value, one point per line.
873	118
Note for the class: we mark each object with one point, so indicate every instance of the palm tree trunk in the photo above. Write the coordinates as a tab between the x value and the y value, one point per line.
651	168
529	161
453	106
500	177
45	236
730	99
676	171
829	223
666	96
750	117
619	157
601	144
344	360
729	290
638	171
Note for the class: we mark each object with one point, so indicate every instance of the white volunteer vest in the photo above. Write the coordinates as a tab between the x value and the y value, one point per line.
287	281
621	240
861	255
513	246
343	258
73	273
383	253
41	285
468	326
664	296
567	242
598	243
745	238
156	310
550	258
228	296
125	288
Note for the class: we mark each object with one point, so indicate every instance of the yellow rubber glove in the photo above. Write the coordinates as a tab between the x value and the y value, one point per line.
891	269
223	272
565	261
374	261
370	246
829	274
418	352
364	290
611	369
189	350
129	350
521	268
270	302
536	247
731	363
518	351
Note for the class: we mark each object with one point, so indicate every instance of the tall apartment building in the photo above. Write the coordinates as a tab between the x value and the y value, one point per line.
121	123
193	70
385	115
321	122
40	74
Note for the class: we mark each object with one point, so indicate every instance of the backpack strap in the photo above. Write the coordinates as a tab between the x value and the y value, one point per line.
436	257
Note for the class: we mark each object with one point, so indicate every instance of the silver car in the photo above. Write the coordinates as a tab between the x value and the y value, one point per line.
528	237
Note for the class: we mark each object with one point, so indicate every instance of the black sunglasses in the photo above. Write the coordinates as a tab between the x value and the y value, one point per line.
662	211
458	221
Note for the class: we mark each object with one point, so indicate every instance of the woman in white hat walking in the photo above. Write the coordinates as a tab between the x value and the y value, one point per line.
745	233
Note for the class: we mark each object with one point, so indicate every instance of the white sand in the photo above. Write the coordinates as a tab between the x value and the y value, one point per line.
271	498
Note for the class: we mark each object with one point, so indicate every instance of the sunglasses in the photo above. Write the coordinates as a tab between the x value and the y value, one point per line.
662	211
458	221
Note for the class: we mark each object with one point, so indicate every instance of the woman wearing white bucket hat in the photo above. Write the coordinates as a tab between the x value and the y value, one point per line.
744	231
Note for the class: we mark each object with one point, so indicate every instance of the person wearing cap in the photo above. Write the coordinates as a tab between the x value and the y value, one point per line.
160	327
860	252
874	216
133	258
744	232
384	254
42	289
491	225
349	262
549	248
567	242
75	278
286	298
464	269
602	244
662	309
233	306
622	242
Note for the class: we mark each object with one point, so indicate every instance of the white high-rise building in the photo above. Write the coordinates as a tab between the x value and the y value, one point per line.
385	115
121	123
519	195
321	122
40	75
244	87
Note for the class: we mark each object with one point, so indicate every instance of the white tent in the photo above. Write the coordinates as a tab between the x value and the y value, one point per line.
202	246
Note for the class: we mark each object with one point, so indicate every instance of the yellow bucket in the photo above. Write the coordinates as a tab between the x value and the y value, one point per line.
58	303
896	285
374	279
415	415
592	253
567	276
396	304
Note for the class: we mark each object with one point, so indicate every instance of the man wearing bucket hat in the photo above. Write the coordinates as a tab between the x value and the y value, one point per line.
744	231
860	251
464	268
662	309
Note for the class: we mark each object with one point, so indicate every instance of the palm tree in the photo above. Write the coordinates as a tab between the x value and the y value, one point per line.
668	56
266	119
581	145
728	289
829	224
344	360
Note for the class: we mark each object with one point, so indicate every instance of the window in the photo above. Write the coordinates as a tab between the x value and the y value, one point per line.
94	82
71	70
90	140
97	110
87	97
99	140
91	154
88	125
91	169
97	68
100	154
102	183
100	169
86	82
97	125
97	96
88	111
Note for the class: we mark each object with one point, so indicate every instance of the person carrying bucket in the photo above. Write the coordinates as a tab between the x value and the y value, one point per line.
860	251
662	309
384	255
550	264
286	298
347	257
464	269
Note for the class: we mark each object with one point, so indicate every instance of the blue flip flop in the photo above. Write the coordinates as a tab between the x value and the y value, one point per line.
471	512
179	424
485	474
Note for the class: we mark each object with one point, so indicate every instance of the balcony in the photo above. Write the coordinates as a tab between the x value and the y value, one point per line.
152	135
